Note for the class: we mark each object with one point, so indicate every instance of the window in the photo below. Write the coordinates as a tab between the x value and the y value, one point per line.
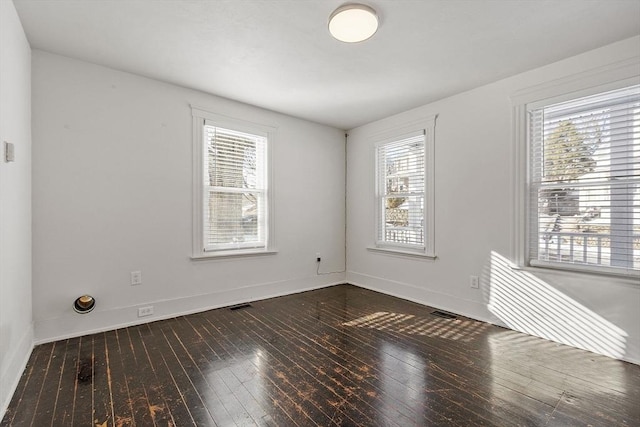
584	182
232	186
404	192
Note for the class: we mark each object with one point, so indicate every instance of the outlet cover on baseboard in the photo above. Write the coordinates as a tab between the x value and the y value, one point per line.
145	311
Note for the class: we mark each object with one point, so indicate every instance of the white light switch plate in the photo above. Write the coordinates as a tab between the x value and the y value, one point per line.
9	152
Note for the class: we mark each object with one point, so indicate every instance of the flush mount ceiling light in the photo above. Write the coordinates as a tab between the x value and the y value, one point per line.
353	23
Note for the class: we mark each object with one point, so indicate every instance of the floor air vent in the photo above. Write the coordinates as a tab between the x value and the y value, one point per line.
444	314
239	306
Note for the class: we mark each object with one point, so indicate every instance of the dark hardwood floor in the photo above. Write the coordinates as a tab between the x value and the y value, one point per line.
340	356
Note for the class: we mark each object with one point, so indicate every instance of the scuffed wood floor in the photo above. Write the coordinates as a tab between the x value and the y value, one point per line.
340	356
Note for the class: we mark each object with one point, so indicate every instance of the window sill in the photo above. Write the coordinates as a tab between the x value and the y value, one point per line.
240	253
402	253
545	267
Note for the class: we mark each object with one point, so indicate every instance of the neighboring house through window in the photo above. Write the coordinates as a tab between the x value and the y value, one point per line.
584	182
404	190
233	190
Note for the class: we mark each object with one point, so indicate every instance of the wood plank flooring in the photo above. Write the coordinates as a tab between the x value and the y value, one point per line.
340	356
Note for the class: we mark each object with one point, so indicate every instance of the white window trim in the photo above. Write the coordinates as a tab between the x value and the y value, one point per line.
602	79
427	125
200	116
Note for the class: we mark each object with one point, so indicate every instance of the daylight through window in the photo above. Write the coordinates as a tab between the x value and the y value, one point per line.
585	182
235	189
401	192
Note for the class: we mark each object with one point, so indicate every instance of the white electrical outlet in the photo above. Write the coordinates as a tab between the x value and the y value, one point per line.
145	311
318	257
474	281
136	278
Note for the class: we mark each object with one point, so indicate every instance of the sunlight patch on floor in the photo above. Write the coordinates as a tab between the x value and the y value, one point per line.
410	324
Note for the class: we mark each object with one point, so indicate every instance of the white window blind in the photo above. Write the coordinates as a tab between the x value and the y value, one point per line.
401	192
584	206
235	189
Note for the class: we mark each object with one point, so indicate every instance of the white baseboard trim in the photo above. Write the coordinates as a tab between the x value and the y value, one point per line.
74	325
10	377
471	309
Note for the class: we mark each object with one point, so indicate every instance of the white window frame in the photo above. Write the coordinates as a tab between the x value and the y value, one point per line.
425	126
599	80
201	118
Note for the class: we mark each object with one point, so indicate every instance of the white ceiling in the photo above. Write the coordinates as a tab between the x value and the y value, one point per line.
278	54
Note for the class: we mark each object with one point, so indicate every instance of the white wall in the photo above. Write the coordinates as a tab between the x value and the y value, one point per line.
112	191
16	332
474	221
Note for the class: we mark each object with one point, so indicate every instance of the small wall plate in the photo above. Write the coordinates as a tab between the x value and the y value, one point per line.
9	152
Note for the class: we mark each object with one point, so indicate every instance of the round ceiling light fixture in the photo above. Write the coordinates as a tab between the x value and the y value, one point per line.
353	23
